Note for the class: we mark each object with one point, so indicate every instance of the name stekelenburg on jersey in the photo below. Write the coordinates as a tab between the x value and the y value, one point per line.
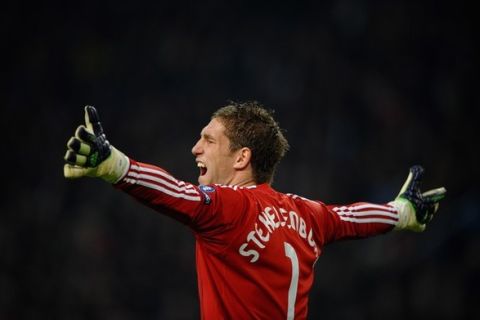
270	220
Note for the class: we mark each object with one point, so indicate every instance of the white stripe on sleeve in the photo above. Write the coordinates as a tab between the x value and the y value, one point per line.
367	213
149	177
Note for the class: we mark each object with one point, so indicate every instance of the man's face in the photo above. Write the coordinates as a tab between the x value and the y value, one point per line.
213	156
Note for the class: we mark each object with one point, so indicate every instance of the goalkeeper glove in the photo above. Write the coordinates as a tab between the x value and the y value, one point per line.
90	154
415	208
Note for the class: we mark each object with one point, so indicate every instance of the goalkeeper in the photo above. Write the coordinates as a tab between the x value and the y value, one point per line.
255	247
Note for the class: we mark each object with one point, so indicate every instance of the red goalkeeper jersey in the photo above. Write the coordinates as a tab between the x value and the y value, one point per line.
255	247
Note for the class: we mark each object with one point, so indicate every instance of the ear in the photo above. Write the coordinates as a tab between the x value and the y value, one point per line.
244	155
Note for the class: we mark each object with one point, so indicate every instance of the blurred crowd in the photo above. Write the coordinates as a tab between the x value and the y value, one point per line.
364	89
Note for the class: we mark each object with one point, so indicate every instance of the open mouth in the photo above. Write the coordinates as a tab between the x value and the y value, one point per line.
202	167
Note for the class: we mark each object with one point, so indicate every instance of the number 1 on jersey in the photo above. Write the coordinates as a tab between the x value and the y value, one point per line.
292	291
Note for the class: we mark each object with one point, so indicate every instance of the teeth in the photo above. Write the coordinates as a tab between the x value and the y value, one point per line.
200	165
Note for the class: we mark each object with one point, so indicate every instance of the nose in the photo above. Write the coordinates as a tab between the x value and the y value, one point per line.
196	150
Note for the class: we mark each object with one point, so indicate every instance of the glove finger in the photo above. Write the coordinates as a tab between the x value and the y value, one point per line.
72	172
75	158
77	146
431	207
92	120
418	227
430	212
434	195
406	184
413	180
84	134
417	173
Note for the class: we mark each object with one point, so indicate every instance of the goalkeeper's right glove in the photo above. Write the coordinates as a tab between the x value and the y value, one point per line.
416	209
90	154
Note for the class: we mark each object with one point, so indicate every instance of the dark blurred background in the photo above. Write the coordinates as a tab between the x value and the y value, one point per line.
364	89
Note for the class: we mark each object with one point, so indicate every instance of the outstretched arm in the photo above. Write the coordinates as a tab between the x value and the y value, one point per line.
411	210
90	154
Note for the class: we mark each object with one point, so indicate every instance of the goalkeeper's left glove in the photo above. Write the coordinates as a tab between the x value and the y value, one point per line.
416	209
90	154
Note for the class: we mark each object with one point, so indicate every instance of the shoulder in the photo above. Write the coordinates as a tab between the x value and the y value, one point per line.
220	193
225	189
300	199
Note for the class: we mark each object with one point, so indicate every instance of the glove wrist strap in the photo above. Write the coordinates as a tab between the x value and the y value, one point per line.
406	215
115	167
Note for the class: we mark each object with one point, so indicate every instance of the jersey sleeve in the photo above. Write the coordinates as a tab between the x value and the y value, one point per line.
358	220
200	207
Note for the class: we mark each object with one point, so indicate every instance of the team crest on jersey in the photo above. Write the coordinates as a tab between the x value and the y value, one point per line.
207	188
206	199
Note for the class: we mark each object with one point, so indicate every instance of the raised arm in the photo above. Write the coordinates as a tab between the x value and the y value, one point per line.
90	154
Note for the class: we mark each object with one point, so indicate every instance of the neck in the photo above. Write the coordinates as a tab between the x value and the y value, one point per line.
245	183
242	180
